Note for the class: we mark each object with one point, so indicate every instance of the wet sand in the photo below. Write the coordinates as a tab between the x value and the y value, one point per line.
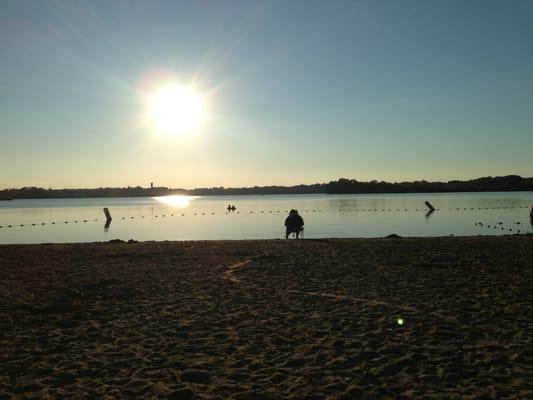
308	319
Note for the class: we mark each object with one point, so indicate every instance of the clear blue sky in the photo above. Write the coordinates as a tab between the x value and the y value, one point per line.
299	91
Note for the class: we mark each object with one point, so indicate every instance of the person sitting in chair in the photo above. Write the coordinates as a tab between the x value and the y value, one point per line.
293	223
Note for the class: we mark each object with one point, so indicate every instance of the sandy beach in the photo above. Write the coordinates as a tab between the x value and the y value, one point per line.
448	318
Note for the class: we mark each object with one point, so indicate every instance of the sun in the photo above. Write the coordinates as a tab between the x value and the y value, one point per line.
175	109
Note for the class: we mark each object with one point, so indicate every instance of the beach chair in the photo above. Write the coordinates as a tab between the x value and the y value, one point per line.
294	232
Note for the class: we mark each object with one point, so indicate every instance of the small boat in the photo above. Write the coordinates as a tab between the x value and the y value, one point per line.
6	199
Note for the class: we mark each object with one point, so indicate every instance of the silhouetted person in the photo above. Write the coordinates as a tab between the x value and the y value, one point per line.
233	208
229	207
293	223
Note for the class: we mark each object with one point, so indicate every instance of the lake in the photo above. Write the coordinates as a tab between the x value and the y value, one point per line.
262	216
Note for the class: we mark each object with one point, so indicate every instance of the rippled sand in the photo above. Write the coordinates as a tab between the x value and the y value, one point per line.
307	319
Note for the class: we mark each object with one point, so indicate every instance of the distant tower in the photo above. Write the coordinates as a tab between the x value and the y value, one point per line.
151	185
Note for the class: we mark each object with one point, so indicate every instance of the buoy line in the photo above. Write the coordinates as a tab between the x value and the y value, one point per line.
84	221
257	212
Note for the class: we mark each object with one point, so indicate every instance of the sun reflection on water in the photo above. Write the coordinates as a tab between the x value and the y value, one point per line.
176	200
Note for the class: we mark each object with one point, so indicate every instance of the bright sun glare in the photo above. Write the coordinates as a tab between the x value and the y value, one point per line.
176	110
177	200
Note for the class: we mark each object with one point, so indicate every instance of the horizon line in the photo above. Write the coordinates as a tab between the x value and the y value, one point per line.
263	186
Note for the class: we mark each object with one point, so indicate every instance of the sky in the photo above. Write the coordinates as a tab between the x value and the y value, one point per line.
295	91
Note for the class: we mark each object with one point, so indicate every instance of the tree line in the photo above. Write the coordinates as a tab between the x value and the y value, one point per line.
340	186
486	184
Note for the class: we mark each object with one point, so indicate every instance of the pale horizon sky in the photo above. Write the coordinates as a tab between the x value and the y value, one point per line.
297	91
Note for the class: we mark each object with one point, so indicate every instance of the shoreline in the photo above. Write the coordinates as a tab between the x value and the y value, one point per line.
269	319
273	194
391	236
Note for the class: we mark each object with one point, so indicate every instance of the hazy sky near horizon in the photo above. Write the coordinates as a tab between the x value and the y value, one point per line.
298	91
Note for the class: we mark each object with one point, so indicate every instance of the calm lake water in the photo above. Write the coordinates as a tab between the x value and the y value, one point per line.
261	217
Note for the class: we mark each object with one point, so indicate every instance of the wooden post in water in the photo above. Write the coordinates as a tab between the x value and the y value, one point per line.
428	205
531	212
107	215
108	219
